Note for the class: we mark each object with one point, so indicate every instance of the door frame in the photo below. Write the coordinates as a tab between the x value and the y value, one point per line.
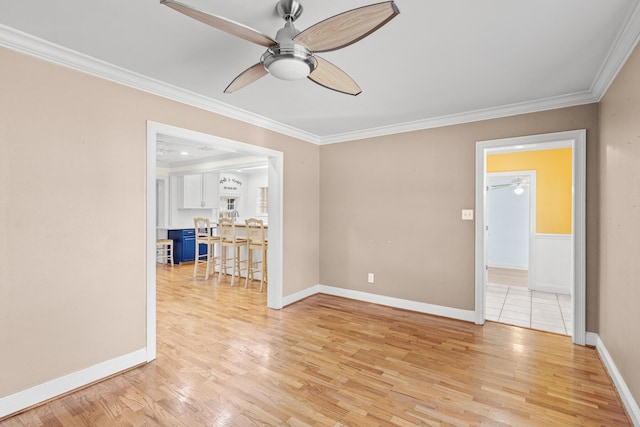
276	207
531	175
163	181
577	140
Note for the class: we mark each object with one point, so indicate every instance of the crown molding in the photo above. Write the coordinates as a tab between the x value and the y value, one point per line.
51	52
623	46
626	41
552	103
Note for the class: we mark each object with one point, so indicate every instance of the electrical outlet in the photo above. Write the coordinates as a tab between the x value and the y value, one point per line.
370	278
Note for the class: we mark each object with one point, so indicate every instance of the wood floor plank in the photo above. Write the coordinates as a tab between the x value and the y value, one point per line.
224	359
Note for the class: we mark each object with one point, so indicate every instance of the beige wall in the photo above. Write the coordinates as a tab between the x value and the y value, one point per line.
391	205
620	222
72	215
72	232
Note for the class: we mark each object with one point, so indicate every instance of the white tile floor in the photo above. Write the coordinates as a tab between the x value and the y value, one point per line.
519	306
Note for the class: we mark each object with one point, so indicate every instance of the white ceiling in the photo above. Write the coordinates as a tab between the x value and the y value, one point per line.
173	152
438	62
182	155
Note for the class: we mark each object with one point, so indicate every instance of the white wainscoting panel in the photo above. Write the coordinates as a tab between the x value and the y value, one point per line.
553	263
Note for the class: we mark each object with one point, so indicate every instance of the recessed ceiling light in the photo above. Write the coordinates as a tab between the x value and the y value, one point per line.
184	153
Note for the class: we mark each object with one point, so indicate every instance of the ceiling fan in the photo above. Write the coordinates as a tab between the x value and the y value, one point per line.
518	184
292	55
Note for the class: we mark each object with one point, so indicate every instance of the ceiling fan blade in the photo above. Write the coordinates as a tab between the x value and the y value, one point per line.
248	76
347	28
223	24
514	183
328	75
498	186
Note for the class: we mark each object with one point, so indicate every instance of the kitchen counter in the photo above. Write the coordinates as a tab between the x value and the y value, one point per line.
185	241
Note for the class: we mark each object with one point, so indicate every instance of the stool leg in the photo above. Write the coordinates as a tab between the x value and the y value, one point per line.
206	274
195	264
171	253
235	264
249	267
215	260
223	262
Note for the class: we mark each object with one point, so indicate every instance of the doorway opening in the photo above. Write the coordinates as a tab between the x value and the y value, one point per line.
540	251
275	166
511	227
513	293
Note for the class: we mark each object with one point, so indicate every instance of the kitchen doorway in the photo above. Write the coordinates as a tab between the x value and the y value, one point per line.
576	239
275	202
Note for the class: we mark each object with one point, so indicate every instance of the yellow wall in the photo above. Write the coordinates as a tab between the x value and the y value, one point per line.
553	184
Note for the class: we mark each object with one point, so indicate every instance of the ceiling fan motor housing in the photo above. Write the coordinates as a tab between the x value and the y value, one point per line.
288	60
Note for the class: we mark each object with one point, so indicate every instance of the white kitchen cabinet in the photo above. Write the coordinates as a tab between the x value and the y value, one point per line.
198	191
211	189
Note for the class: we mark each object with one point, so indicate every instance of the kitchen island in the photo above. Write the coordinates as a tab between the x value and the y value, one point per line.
184	240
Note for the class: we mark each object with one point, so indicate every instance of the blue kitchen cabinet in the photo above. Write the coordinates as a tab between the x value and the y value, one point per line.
184	245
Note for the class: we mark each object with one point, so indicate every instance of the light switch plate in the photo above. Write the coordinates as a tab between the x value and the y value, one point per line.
467	214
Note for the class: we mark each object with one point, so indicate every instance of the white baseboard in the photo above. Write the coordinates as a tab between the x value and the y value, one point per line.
592	339
547	287
300	295
421	307
625	394
42	392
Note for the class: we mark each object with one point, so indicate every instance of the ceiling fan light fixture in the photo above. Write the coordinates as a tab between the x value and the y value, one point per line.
518	190
289	69
289	63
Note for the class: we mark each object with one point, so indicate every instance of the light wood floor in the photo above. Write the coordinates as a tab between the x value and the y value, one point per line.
226	360
508	276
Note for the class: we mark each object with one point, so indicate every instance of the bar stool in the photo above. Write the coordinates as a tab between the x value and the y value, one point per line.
256	241
164	251
204	237
229	239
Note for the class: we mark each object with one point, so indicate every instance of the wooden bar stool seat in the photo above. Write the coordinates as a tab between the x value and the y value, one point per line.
205	237
256	242
164	251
